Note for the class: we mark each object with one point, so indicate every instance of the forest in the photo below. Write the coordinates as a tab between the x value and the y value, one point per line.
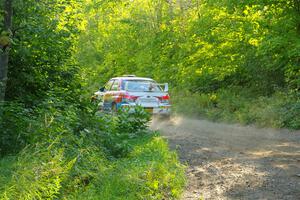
225	60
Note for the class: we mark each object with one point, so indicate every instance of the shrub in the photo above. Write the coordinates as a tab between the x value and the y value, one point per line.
73	154
236	105
38	174
15	122
120	129
150	171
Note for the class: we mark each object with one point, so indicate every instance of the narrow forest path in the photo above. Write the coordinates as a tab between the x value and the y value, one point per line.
235	162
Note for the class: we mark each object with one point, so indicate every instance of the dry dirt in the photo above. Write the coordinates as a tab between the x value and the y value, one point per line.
235	162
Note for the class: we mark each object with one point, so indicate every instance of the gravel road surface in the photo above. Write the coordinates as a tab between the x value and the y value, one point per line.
233	161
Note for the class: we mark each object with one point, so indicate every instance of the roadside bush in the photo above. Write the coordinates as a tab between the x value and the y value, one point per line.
193	104
150	171
15	122
120	129
291	113
73	154
51	172
130	122
38	174
53	156
281	110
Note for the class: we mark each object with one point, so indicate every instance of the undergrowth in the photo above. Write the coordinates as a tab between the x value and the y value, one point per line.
280	110
69	152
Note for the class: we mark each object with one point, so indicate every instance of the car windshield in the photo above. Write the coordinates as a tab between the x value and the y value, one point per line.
140	86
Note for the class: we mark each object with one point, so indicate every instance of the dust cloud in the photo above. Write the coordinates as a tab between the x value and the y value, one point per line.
228	161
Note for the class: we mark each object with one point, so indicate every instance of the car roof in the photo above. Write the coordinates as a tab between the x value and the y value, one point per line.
133	78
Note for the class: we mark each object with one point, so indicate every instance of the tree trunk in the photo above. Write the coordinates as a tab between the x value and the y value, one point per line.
8	13
297	5
3	74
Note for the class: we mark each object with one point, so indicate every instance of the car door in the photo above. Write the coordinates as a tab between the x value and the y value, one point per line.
107	95
115	94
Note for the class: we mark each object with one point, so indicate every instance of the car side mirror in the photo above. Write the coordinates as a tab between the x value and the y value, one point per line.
166	87
102	89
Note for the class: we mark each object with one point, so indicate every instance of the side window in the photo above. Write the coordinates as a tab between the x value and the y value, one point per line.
115	86
108	85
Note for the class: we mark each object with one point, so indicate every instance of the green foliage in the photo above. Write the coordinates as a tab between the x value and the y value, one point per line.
129	121
150	171
38	175
121	128
290	110
41	58
15	127
73	154
279	110
199	47
53	146
227	60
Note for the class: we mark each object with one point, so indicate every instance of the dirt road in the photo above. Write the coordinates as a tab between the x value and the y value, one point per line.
235	162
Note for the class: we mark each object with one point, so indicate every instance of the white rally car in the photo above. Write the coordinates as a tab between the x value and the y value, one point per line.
130	91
